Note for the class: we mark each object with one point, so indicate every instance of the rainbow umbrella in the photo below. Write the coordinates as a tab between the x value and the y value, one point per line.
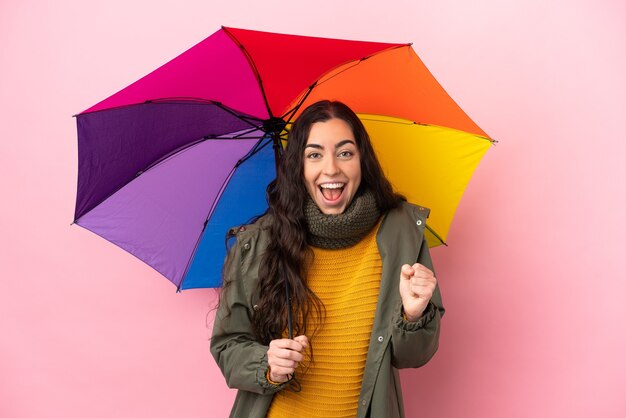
169	163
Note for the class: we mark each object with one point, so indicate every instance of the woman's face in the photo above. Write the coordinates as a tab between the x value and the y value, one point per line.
332	165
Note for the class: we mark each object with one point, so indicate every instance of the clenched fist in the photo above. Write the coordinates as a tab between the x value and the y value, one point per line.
417	284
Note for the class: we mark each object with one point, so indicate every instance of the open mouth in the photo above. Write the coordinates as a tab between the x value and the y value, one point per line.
332	191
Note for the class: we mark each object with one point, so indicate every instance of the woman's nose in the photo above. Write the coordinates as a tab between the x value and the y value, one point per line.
331	167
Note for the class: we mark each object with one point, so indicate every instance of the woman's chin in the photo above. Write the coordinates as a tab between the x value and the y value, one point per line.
332	210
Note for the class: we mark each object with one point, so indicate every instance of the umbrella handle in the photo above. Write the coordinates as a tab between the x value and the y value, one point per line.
294	384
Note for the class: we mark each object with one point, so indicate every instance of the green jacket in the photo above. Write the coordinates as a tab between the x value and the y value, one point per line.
394	344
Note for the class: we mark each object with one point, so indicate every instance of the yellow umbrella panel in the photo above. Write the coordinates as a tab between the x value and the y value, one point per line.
430	165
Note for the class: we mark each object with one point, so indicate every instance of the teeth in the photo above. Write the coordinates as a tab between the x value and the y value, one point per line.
332	185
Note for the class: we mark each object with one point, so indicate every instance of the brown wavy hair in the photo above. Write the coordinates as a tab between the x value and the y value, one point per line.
288	253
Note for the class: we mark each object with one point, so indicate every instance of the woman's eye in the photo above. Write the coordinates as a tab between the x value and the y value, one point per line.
314	155
345	154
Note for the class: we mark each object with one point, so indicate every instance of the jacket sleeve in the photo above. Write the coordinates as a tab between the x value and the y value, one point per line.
242	360
414	343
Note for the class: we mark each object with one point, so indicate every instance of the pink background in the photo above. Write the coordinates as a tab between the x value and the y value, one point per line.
533	279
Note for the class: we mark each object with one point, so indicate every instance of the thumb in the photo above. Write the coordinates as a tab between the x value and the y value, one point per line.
302	339
406	272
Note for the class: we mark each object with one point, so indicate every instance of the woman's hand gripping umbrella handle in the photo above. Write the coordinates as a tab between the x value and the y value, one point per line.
284	355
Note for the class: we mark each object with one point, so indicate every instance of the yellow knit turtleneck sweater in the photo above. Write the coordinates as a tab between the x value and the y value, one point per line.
347	282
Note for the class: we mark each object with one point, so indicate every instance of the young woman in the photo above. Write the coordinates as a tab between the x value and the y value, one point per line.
352	258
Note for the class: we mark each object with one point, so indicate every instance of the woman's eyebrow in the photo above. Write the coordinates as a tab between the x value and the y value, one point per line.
338	145
344	142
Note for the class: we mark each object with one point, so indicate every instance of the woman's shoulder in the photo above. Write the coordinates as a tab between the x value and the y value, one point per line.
405	223
405	218
245	244
255	226
409	212
253	235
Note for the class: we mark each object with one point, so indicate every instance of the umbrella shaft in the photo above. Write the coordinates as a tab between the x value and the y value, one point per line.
289	325
277	146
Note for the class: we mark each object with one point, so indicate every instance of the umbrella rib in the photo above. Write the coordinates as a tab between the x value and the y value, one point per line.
186	147
256	148
181	100
319	81
432	231
178	151
372	118
254	68
295	109
140	172
241	135
191	100
228	110
340	72
161	160
246	118
234	138
206	222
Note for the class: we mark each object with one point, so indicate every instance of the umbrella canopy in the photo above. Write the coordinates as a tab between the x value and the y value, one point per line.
169	163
